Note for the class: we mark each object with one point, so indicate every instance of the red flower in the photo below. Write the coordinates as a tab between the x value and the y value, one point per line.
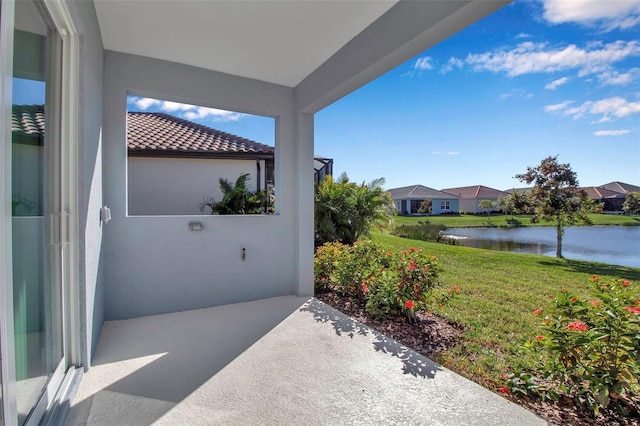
633	309
577	326
636	301
412	250
412	265
594	277
596	303
625	283
456	289
365	288
504	390
389	253
409	304
537	311
539	337
574	299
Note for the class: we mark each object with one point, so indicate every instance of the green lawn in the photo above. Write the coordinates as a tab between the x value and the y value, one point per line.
455	221
500	290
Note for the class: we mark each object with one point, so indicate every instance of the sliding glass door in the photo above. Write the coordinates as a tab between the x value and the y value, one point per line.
37	240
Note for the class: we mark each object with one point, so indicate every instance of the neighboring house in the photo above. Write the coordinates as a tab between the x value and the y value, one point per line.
470	197
612	201
322	167
173	164
407	200
81	259
621	187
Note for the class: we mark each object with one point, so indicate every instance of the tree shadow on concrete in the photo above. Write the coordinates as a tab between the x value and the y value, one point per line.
412	362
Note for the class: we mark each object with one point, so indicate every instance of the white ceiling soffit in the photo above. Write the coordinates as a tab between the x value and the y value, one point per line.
280	42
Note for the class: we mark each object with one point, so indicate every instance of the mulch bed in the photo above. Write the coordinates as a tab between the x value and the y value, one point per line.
431	335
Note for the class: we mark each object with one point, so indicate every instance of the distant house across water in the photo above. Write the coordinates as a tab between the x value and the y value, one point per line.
408	199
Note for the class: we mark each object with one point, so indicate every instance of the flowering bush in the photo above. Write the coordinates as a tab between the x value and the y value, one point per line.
391	284
590	347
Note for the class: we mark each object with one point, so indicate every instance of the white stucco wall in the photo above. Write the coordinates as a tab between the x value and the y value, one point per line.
176	186
156	264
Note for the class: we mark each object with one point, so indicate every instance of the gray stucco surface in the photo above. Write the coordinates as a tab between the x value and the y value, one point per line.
155	264
285	360
90	275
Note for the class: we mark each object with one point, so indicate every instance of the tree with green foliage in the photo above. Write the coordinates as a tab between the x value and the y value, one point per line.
557	198
236	198
426	208
486	205
522	203
505	204
632	203
345	211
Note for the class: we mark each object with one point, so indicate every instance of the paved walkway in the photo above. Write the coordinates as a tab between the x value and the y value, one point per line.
285	361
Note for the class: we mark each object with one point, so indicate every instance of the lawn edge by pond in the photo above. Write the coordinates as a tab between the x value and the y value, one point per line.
500	220
499	292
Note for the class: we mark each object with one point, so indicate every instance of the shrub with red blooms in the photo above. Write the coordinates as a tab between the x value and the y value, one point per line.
589	349
392	284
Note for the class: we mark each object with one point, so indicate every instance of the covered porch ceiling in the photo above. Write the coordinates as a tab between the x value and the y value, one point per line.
323	48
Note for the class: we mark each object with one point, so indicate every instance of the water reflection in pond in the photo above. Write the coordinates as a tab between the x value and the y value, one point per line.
618	245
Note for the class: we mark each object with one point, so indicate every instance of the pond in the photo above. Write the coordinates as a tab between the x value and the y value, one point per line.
617	245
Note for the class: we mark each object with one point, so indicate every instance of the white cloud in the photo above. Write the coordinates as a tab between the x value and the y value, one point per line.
615	78
611	132
556	83
608	15
607	109
187	111
201	113
451	64
518	93
523	35
423	63
529	58
143	103
445	153
557	107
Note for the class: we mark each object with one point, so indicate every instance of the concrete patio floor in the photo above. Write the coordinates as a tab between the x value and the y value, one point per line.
285	360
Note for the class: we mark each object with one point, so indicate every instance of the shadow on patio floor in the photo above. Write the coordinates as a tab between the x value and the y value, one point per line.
286	360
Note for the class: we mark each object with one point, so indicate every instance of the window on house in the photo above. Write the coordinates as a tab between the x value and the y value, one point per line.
185	159
444	205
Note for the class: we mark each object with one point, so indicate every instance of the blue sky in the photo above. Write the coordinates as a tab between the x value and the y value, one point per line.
537	78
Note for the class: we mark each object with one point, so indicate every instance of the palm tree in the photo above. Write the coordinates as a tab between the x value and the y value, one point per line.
345	211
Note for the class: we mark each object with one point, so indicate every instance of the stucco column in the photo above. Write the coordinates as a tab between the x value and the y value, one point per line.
303	204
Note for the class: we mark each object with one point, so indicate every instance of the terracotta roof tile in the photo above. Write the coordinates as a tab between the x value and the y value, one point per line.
28	120
153	131
418	192
476	191
621	187
601	193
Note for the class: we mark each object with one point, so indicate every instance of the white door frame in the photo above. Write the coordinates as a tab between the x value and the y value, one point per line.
68	214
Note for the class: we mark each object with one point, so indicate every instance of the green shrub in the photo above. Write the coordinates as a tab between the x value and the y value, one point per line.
325	262
424	232
589	348
236	199
391	284
345	211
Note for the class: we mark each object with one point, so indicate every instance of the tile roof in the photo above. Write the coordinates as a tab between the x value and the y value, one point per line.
418	192
476	191
163	134
621	187
601	193
27	120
